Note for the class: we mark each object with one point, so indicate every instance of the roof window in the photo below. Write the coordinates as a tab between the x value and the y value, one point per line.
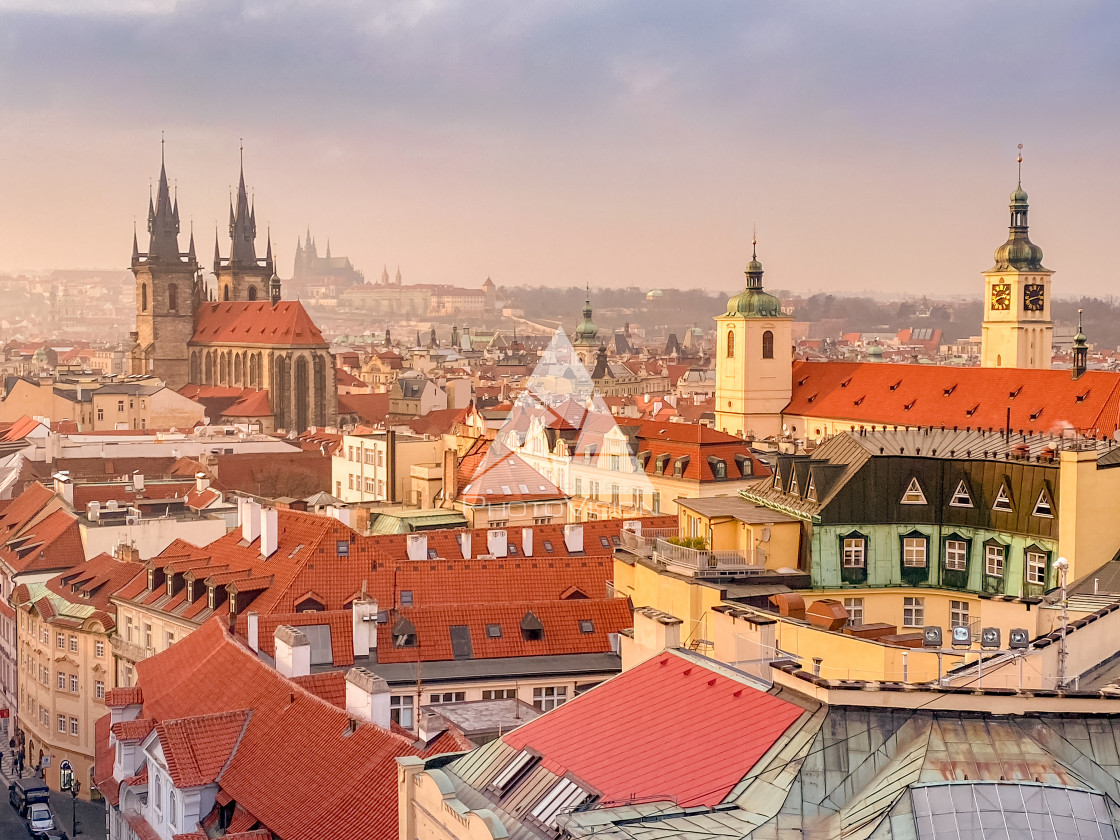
586	625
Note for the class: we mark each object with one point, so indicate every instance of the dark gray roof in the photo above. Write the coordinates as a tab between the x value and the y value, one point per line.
737	507
511	667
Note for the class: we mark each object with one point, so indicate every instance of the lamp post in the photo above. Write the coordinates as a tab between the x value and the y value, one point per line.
1062	566
75	787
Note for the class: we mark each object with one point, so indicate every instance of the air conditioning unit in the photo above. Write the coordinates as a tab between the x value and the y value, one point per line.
132	520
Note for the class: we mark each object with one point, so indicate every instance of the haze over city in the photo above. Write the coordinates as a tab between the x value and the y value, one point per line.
633	144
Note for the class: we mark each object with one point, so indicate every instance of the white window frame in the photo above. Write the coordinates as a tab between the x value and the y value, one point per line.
854	607
854	553
913	611
995	552
961	497
914	494
548	697
956	555
1043	508
1034	563
959	614
1003	500
915	552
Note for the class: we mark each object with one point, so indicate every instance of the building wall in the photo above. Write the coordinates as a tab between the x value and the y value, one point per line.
150	535
751	391
1015	337
95	675
130	639
360	468
427	813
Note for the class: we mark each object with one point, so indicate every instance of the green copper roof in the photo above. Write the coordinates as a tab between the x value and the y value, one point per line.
752	302
1018	252
586	332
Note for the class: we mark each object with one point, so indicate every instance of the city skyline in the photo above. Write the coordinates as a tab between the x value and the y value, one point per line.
630	146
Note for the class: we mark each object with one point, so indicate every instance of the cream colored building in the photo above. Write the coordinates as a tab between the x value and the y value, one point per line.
144	405
754	348
377	467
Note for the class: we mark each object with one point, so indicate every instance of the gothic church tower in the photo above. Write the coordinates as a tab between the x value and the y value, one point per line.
243	276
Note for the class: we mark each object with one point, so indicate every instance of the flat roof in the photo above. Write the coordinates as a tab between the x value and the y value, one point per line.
737	508
509	667
483	716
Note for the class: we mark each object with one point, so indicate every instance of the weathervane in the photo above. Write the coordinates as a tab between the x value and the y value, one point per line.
1019	160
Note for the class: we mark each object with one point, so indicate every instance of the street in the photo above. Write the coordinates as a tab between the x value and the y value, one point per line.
91	815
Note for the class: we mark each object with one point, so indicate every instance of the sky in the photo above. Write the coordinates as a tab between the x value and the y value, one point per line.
871	143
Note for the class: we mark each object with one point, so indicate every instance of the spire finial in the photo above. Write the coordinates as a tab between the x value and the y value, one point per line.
162	141
241	149
1079	321
754	243
1019	160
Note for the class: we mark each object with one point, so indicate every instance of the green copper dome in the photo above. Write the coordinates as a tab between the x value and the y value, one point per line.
1018	252
586	332
752	302
1019	196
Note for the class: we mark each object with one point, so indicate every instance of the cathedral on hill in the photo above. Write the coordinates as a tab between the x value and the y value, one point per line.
310	268
264	355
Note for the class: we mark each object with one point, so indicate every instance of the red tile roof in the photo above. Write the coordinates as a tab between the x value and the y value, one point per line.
669	728
346	778
133	730
346	379
329	685
197	748
698	443
505	477
256	322
38	534
932	395
368	408
252	404
118	698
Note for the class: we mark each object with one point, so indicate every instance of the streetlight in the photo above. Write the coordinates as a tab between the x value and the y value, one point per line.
75	786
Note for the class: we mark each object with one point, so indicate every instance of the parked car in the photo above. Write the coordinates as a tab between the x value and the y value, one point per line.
39	817
23	792
53	834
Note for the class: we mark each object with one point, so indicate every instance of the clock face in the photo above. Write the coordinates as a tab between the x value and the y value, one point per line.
1001	296
1034	297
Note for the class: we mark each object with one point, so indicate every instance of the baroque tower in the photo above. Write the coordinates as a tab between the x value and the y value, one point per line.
243	276
754	360
168	289
1017	331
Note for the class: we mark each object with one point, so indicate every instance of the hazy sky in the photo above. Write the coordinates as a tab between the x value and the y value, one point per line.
616	143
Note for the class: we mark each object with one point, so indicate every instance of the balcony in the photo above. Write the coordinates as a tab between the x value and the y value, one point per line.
645	542
129	650
703	563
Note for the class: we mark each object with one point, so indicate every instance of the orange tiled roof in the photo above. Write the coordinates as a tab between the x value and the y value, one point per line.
256	322
252	404
197	748
329	685
117	698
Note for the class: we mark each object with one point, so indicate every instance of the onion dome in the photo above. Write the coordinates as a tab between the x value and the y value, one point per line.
1018	252
586	332
753	302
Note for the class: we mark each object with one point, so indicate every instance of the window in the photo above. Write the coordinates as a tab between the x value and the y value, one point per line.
172	809
913	494
1042	507
655	503
493	631
73	726
548	546
60	680
854	607
994	555
587	626
449	697
1003	499
400	711
578	486
148	629
209	598
406	597
914	552
74	683
73	644
351	477
172	297
961	496
958	614
549	697
99	689
499	694
60	641
956	555
44	635
855	549
342	548
120	406
143	297
768	345
159	793
731	344
100	414
913	612
99	648
1036	568
168	639
62	724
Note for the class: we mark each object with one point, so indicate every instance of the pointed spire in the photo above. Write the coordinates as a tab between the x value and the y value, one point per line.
135	244
328	248
217	251
191	257
242	221
163	217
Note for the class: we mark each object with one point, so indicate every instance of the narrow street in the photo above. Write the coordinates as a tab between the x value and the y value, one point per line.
91	815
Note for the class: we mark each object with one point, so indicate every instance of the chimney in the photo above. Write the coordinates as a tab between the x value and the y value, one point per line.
270	532
127	552
465	544
416	546
253	629
367	696
450	478
497	542
364	619
431	726
201	482
527	541
293	652
573	538
64	487
250	519
138	481
656	631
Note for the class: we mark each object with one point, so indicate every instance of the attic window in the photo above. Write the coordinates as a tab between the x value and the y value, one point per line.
518	767
860	400
511	549
493	631
548	546
563	798
1083	397
531	628
151	579
846	382
970	411
810	399
719	467
910	404
1003	500
961	497
643	457
679	466
894	387
1013	394
950	389
660	464
606	543
1036	414
801	382
793	488
432	554
406	597
1043	507
342	547
404	634
587	626
914	494
170	585
811	490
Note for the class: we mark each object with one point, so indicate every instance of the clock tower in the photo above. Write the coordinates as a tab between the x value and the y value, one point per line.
1017	331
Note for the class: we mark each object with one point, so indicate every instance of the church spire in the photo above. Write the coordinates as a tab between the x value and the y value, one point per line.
1018	252
163	218
243	224
191	258
217	251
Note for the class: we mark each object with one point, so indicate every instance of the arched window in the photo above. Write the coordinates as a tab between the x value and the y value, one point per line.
225	293
173	297
143	297
731	344
768	345
252	293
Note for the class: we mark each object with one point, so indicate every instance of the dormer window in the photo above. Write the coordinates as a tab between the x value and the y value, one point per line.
210	597
170	585
679	466
151	579
961	497
1043	507
913	494
1003	500
190	591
